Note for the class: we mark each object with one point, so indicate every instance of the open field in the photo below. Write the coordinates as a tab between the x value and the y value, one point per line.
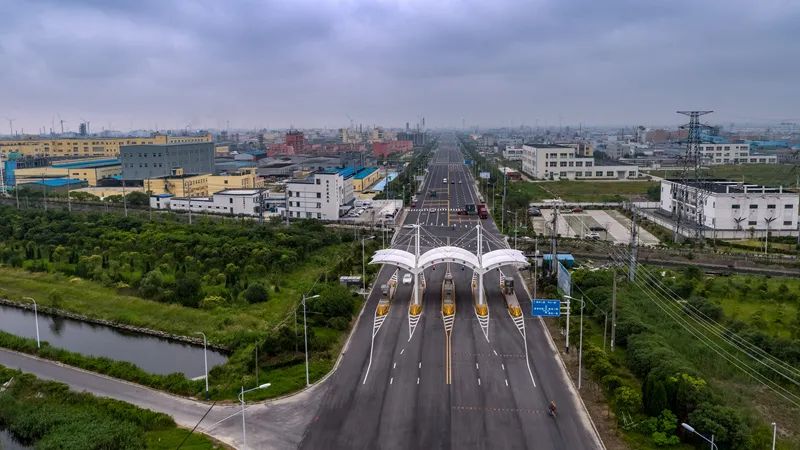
580	191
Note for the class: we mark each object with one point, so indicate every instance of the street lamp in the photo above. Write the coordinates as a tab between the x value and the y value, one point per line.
364	265
774	434
305	333
205	358
36	320
692	430
515	226
241	399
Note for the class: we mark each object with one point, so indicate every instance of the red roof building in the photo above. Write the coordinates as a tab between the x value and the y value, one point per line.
390	147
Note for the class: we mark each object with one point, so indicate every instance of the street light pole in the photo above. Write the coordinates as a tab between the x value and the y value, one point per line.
36	320
305	334
241	399
205	358
774	434
692	430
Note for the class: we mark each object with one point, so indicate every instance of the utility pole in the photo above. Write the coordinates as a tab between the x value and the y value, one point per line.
769	220
124	199
613	308
633	244
553	240
503	204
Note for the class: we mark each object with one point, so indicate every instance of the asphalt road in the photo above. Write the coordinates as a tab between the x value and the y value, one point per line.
391	392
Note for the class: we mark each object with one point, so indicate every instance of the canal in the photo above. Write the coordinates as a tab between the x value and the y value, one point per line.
7	442
151	353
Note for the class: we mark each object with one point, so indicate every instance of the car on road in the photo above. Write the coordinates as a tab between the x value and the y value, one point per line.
593	235
460	182
407	278
408	226
444	180
534	212
452	181
577	209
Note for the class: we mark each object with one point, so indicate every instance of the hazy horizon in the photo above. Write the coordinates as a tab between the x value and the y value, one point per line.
313	64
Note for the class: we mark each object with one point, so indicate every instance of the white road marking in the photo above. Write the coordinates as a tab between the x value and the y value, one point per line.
417	380
402	350
476	366
391	380
495	352
503	366
394	365
420	365
479	381
506	381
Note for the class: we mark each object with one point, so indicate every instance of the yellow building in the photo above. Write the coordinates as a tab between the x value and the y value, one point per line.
179	185
91	146
203	185
244	178
90	170
365	178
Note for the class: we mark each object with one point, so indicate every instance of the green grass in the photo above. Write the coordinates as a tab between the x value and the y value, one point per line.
170	439
745	299
224	326
766	174
583	191
48	415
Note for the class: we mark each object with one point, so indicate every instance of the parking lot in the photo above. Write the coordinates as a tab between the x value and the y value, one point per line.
374	213
609	225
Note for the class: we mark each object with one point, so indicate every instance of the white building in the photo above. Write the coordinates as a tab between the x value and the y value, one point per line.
322	195
512	153
733	154
729	205
560	162
237	202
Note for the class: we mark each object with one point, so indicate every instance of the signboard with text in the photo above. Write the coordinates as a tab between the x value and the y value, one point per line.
485	175
545	307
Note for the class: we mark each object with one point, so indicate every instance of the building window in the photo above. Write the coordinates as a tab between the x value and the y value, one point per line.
598	174
319	205
751	222
770	206
317	180
319	194
753	206
787	222
788	206
734	206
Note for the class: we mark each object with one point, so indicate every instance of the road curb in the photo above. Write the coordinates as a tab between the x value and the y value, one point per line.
565	375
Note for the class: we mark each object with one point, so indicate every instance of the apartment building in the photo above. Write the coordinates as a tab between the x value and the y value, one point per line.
88	147
730	205
716	154
560	162
322	195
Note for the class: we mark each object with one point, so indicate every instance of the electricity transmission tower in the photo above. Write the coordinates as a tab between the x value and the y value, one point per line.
692	162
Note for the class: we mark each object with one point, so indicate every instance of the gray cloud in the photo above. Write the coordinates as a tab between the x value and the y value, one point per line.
310	63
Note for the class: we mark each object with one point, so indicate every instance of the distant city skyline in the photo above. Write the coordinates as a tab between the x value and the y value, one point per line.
130	65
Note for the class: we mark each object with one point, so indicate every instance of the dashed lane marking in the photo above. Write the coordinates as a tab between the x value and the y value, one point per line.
506	381
499	410
391	380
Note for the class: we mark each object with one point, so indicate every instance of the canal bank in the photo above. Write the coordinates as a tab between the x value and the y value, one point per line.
154	352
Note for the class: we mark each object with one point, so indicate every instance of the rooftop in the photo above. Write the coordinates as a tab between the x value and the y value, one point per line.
238	192
721	186
365	172
547	145
88	164
57	182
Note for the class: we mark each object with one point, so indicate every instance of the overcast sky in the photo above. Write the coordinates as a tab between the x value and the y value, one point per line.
141	63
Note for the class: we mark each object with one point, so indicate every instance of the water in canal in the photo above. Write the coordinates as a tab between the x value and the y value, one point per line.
153	354
7	442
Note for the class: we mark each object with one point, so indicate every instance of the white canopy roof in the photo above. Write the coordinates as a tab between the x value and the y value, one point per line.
489	261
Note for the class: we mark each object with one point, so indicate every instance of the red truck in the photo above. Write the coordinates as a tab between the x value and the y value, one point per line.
483	213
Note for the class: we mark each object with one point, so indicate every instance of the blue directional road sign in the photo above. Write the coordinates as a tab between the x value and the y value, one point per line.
467	162
545	307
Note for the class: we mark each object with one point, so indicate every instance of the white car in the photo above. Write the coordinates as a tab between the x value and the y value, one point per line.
593	235
407	278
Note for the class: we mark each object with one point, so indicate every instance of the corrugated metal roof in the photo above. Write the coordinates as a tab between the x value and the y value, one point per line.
89	164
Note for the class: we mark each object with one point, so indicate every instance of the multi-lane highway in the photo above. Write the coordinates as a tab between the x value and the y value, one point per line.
395	389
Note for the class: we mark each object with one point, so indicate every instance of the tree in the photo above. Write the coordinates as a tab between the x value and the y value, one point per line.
187	290
654	395
256	293
137	198
729	429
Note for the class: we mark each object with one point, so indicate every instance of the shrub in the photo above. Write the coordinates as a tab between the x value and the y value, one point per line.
256	293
